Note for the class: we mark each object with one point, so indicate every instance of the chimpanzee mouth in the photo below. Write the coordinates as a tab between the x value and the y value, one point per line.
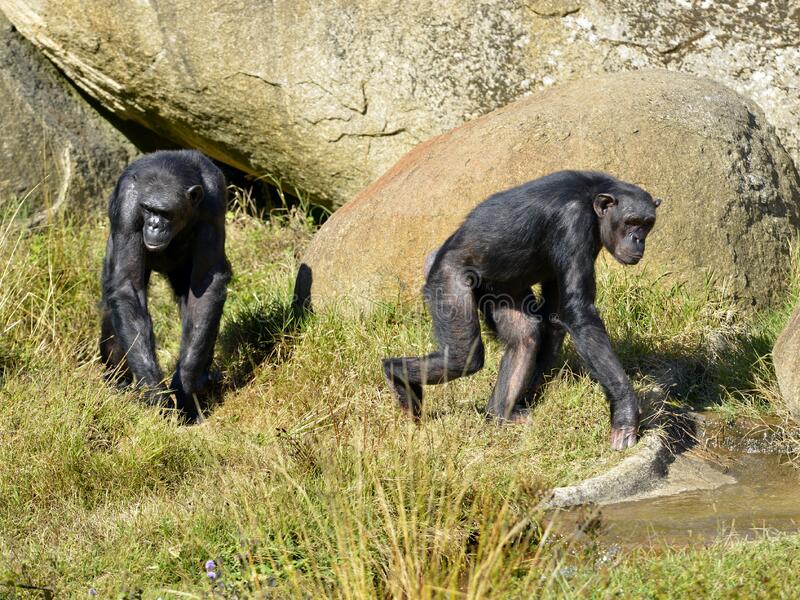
156	247
628	259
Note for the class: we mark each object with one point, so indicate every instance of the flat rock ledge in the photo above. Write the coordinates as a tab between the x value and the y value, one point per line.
659	466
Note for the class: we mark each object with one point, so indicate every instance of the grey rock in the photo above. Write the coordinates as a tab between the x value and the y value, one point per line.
56	152
638	473
659	466
327	95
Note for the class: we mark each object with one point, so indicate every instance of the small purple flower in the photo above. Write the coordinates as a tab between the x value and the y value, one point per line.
210	566
92	592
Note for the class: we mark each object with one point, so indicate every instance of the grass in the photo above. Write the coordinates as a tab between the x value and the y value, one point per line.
305	481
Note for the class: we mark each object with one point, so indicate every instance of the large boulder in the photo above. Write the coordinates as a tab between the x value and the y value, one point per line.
327	95
731	193
56	151
786	356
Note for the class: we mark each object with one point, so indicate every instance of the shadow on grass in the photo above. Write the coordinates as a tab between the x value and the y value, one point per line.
701	375
698	376
256	334
264	332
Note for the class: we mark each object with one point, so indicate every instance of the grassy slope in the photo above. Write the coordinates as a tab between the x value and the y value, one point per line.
306	480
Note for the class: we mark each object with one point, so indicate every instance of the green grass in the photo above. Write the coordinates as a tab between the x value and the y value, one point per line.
305	481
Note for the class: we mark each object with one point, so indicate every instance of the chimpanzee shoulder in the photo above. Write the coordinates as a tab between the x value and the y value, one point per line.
536	201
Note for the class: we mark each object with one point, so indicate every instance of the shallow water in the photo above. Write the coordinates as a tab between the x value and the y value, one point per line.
766	498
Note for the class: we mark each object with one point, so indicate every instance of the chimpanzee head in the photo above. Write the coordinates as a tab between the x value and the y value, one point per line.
167	205
626	215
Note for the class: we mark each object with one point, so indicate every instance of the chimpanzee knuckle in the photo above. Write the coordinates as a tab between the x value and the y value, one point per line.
623	437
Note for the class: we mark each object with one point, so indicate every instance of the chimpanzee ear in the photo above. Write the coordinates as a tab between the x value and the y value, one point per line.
602	202
195	194
657	202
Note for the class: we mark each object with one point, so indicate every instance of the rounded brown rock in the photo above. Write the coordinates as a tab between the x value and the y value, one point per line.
731	193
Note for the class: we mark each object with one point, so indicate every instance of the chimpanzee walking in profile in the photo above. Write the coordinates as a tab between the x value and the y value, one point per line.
546	231
167	214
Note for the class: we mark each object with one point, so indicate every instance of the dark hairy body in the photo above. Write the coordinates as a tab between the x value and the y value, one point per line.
167	214
547	231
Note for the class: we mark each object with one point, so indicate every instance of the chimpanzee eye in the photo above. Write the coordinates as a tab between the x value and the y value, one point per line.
157	212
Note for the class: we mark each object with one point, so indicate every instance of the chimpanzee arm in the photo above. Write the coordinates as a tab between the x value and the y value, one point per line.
203	310
125	291
580	316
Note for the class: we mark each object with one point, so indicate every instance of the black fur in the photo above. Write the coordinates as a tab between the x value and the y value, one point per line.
175	201
546	231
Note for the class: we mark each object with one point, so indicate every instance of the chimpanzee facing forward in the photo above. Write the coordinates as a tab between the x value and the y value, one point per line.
546	231
167	214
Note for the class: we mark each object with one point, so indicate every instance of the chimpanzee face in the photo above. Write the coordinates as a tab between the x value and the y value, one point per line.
626	217
165	212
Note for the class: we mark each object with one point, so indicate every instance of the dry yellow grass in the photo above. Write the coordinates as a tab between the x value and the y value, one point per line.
305	481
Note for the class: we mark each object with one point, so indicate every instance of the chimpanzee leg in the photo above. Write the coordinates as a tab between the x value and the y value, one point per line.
552	337
452	304
520	329
583	322
179	281
201	298
126	327
111	352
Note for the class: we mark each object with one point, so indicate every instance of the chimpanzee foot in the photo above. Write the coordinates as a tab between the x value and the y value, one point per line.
520	416
156	396
117	379
192	411
623	437
409	395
